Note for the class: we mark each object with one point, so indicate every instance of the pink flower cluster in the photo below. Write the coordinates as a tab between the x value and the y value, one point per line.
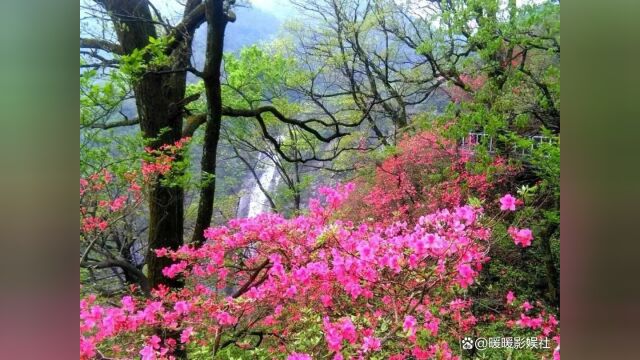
367	283
283	266
92	223
427	173
535	317
162	159
99	209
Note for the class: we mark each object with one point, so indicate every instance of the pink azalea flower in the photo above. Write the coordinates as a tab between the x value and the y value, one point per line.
529	322
370	343
224	318
366	253
432	323
87	347
135	187
526	306
174	269
212	233
334	340
420	354
465	275
521	237
510	297
409	324
302	275
291	291
117	203
182	307
298	356
148	353
508	202
186	334
161	252
326	300
348	330
154	341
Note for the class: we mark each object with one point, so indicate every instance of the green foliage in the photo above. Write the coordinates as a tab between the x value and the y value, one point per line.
256	74
100	96
198	106
118	154
152	57
545	159
510	97
226	206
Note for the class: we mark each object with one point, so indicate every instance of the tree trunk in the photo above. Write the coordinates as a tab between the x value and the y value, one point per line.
217	22
553	278
158	97
154	100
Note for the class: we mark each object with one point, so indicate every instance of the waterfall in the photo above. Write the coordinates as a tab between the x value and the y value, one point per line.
258	202
255	202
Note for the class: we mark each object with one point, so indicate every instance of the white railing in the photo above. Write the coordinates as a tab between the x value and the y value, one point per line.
476	138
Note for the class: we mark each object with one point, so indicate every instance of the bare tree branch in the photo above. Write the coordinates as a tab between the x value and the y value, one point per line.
100	44
115	124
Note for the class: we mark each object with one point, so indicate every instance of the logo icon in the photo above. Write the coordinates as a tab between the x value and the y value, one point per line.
481	343
467	343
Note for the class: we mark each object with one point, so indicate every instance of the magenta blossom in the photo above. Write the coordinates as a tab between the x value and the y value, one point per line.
298	356
409	324
508	202
371	343
521	237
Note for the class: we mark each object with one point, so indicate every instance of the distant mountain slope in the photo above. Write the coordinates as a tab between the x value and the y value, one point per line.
252	26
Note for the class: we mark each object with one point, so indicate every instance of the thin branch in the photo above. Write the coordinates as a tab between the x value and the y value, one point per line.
115	124
100	44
